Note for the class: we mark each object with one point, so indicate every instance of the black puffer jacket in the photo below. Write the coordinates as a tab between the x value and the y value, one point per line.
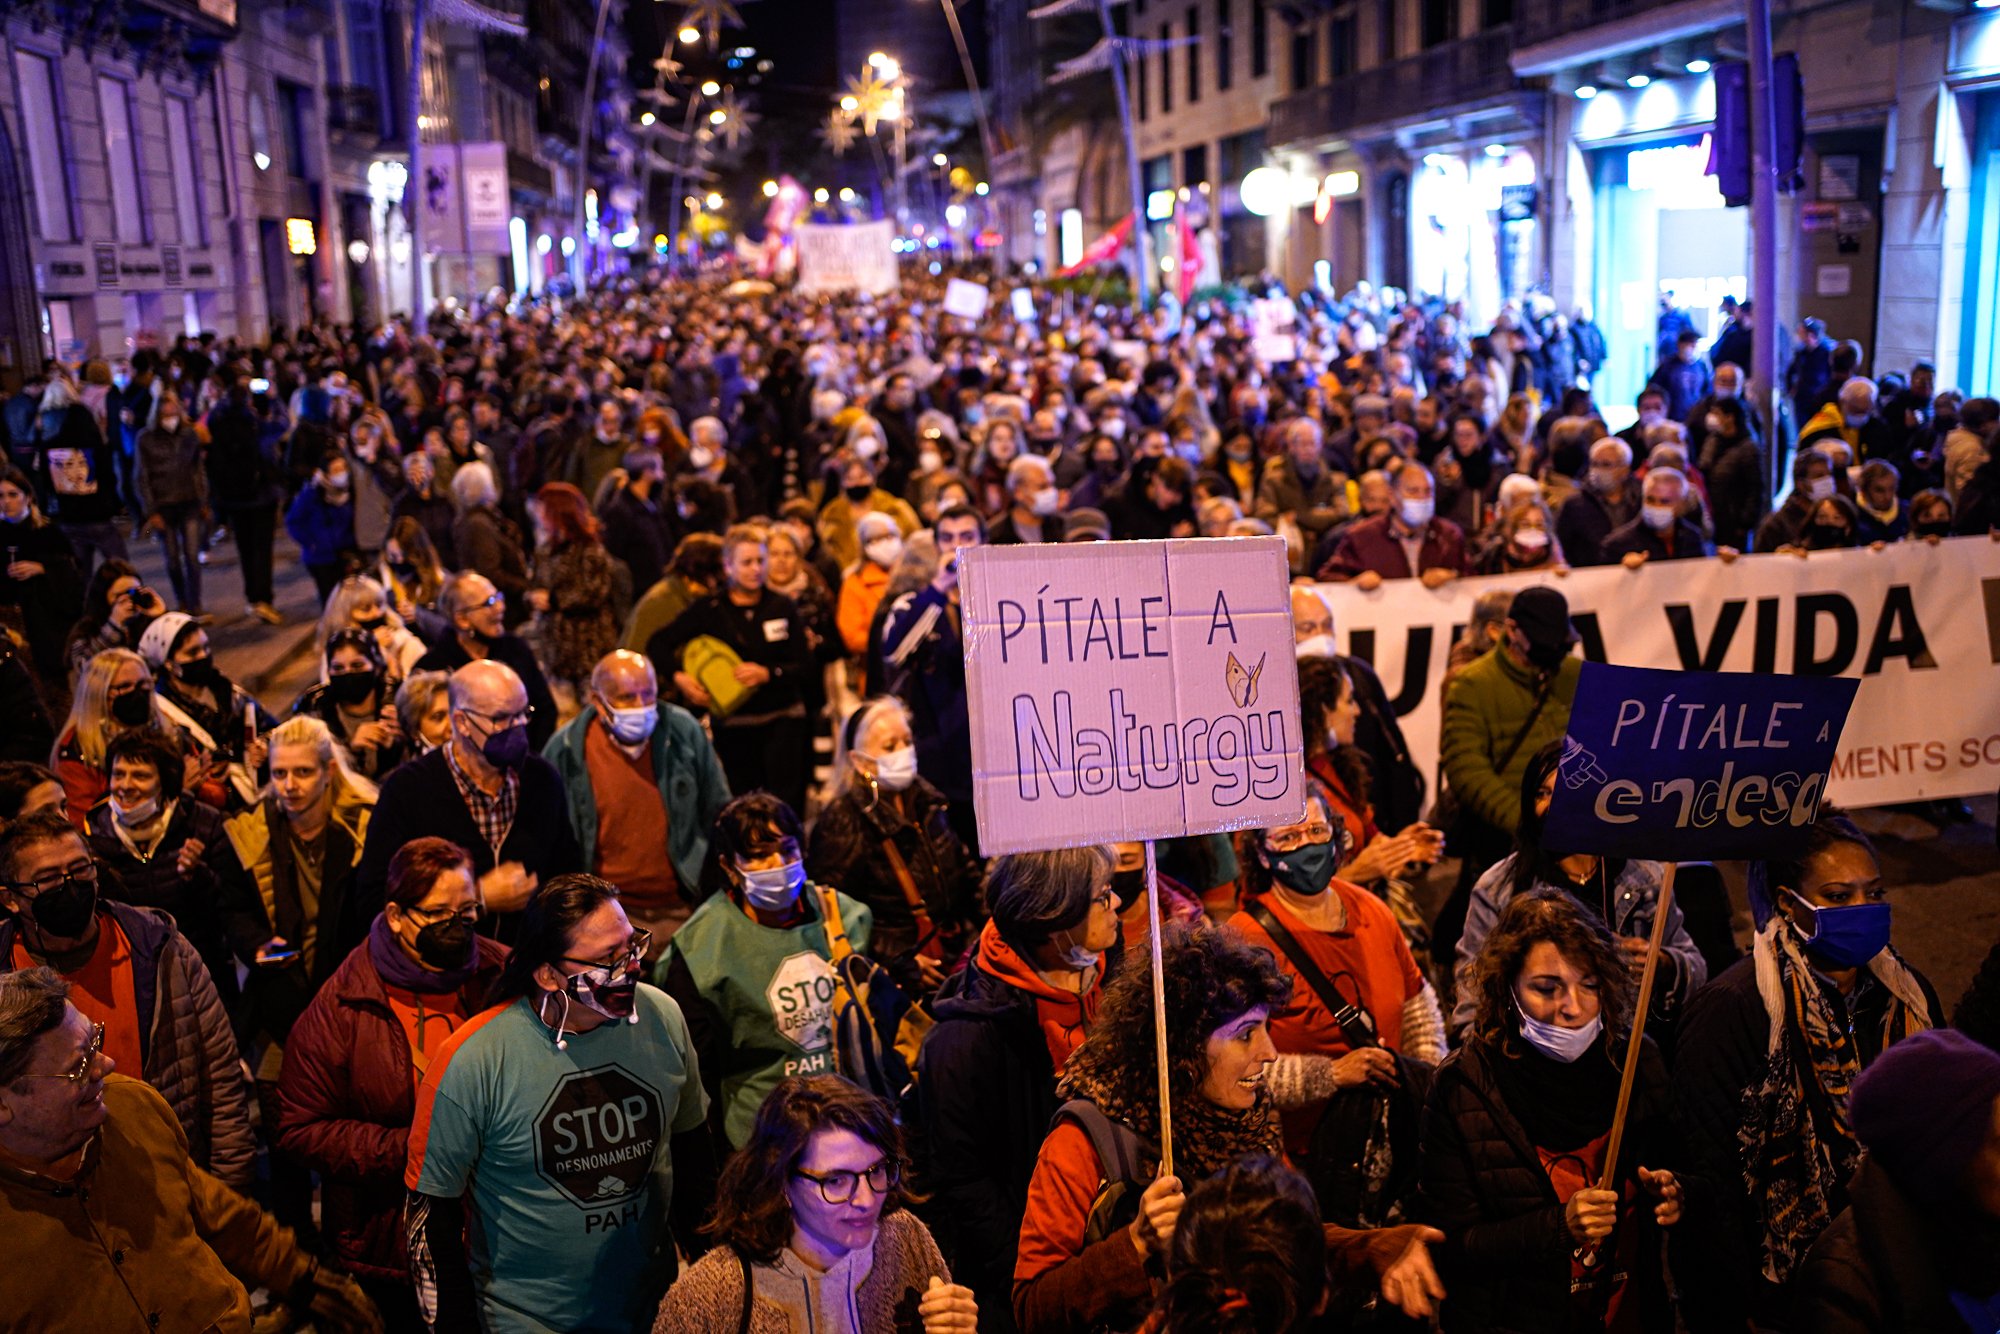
1506	1258
156	881
986	1096
849	851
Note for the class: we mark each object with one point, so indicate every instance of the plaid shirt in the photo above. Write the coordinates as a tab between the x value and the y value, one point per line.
493	814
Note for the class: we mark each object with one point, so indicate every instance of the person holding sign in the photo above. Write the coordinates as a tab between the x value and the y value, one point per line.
1768	1053
1518	1128
1101	1213
1622	893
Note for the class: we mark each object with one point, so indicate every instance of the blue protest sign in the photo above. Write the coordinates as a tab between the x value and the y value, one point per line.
1693	766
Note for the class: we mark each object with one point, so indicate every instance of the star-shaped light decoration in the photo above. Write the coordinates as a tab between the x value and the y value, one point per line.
838	133
709	17
669	68
873	98
736	122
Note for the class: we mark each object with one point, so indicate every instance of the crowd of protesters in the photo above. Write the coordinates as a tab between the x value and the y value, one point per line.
602	940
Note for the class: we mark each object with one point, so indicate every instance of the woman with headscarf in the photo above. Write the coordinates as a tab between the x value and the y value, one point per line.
1768	1053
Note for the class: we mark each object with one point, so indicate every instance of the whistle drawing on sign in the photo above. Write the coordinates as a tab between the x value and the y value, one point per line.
1242	683
1578	766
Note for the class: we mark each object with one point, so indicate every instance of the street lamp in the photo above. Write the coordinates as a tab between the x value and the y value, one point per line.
646	118
714	201
820	195
850	105
717	116
938	159
847	194
710	88
689	36
770	189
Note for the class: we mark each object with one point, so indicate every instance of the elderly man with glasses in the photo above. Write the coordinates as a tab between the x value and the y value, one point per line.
131	972
477	612
115	1226
485	790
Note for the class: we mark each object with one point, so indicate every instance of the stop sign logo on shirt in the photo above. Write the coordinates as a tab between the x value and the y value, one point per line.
800	995
596	1135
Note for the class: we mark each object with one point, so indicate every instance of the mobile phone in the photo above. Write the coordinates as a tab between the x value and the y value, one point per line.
285	955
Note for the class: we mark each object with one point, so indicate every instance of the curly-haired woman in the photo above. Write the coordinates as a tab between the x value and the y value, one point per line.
1517	1130
1099	1217
813	1231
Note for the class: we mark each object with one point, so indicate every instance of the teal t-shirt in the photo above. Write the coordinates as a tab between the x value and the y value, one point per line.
562	1157
772	989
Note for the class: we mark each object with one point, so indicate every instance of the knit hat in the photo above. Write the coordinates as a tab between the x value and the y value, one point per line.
160	636
1925	1108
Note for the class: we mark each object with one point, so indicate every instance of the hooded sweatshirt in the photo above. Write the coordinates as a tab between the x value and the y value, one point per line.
1063	1016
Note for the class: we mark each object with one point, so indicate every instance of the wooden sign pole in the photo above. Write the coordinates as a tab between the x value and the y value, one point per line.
1633	1045
1160	1011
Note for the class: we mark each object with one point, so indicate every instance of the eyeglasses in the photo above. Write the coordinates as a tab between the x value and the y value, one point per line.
840	1187
1291	840
470	913
83	872
501	722
1104	898
91	1050
635	950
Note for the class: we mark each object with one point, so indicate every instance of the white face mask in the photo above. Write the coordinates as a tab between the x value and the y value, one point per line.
896	770
702	457
1659	518
1558	1043
1530	539
1074	955
1045	502
1315	646
929	461
774	890
137	814
1819	488
631	726
867	447
1416	513
885	551
1113	427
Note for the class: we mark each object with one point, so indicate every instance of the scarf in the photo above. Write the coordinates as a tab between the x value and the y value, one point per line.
1796	1144
1207	1138
1561	1106
398	969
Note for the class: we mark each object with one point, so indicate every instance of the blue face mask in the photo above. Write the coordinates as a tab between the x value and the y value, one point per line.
1846	937
1306	870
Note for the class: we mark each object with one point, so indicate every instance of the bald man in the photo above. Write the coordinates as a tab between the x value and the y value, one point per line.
1396	784
641	777
487	791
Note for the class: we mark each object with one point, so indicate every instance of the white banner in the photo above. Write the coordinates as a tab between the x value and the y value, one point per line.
855	258
1918	624
488	205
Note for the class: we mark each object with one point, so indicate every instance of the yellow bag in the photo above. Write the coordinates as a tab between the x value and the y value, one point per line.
713	664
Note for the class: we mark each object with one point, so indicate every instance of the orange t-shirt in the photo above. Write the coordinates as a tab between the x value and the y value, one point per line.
631	823
427	1020
1368	962
104	991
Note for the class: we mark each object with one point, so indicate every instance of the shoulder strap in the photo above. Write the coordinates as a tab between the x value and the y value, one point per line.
1116	1145
908	884
1514	746
749	1293
837	944
1322	986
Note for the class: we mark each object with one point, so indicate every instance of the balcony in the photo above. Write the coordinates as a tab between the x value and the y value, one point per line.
1541	20
1472	69
355	109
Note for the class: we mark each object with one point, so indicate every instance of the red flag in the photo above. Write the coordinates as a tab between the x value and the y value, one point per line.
1189	266
1102	249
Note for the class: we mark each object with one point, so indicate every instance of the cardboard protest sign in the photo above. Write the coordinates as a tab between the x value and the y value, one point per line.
1130	690
966	299
1023	301
1694	766
855	257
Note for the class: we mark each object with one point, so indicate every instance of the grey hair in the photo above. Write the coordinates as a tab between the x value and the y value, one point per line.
857	725
472	486
414	696
1024	464
33	1001
448	596
1035	895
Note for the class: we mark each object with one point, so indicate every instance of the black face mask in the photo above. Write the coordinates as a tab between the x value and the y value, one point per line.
1547	657
447	945
1931	529
66	910
353	687
404	571
202	672
1827	536
858	493
369	623
134	708
1128	886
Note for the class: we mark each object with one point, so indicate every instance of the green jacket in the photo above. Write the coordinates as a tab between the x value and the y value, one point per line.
691	784
1484	711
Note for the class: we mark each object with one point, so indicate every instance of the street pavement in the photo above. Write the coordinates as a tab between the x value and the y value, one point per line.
1946	882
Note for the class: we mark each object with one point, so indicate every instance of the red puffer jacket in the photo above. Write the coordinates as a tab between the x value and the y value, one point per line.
347	1100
